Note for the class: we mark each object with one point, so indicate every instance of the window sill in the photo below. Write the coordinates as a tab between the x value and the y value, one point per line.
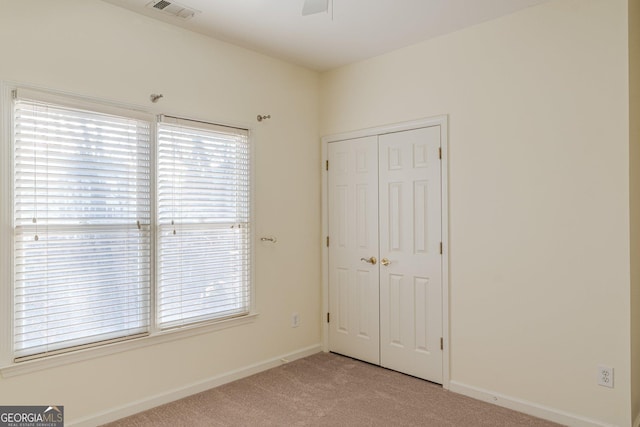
160	337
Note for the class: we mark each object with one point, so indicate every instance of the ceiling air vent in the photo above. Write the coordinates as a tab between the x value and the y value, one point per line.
173	8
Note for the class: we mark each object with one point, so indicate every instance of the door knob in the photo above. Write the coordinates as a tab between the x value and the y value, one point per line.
385	262
371	260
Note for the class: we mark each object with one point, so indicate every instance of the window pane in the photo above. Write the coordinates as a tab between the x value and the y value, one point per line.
203	223
82	214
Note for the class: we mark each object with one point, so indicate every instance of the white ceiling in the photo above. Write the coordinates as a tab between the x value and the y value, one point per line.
352	30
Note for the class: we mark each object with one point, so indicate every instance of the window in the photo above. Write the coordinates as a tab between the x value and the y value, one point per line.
88	267
203	222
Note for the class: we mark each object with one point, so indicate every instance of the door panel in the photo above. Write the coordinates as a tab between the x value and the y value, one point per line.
410	236
353	229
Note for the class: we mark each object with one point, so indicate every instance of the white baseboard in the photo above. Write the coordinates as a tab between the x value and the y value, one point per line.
526	407
200	386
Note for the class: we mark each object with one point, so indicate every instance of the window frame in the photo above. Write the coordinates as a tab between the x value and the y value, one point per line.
71	129
156	335
172	127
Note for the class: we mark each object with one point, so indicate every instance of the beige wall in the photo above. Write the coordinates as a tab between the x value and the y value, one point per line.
634	150
538	190
95	49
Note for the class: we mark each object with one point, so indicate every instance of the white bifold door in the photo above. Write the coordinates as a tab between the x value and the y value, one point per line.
385	250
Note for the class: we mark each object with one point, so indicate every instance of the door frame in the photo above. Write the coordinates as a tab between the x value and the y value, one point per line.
443	122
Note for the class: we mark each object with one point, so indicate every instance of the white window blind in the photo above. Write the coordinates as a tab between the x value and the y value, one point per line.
203	214
81	227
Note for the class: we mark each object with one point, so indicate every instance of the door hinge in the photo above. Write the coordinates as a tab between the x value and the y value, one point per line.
441	343
326	165
327	241
328	317
440	153
440	248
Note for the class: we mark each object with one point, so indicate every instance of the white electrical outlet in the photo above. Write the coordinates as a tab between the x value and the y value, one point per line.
605	376
295	320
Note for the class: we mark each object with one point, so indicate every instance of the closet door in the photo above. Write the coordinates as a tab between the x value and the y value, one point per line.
353	249
410	251
385	263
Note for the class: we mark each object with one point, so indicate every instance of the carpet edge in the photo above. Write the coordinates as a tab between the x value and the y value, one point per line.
193	388
524	406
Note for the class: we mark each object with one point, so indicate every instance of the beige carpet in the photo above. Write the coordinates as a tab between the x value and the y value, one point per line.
329	390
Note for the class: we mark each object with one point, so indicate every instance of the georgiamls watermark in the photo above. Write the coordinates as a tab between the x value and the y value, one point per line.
32	416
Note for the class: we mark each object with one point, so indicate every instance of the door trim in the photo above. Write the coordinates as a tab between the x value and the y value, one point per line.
443	122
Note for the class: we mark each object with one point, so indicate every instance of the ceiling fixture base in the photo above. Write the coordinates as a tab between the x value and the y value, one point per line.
311	7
